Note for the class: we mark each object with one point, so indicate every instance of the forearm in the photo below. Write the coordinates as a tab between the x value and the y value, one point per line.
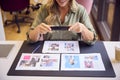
33	35
87	35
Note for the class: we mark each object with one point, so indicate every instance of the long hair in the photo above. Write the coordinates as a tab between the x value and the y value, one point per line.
53	11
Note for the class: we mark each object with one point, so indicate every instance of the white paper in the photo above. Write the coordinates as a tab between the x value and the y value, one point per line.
84	62
38	62
69	62
61	47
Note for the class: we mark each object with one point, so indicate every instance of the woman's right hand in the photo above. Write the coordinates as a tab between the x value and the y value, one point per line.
40	29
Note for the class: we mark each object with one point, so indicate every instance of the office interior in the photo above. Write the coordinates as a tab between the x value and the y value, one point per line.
104	15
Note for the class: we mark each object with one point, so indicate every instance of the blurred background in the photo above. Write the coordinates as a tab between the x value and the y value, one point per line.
104	15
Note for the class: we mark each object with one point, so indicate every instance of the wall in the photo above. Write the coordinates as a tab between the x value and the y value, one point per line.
2	34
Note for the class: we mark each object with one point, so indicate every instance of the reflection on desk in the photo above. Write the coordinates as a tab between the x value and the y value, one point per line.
5	50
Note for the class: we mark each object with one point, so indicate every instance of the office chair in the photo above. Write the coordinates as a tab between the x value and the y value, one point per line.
36	6
15	7
87	4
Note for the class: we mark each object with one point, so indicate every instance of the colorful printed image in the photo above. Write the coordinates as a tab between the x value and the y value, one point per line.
27	57
88	64
47	61
95	58
69	46
61	47
72	62
64	62
92	57
53	47
29	61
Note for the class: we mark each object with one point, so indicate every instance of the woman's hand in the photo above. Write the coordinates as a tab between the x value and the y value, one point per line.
87	35
40	29
77	27
43	28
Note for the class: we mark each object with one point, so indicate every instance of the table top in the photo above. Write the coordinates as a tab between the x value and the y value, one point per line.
5	64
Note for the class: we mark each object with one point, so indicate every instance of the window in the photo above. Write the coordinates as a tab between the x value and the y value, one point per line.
103	13
110	13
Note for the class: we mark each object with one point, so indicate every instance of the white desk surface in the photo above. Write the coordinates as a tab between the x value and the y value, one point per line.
5	64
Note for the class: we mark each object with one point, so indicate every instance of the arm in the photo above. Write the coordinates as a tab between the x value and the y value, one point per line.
78	27
37	33
39	26
84	27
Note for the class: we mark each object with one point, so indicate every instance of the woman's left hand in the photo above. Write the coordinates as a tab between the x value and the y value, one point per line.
87	35
77	27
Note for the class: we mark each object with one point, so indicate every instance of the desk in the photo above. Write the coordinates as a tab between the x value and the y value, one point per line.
5	64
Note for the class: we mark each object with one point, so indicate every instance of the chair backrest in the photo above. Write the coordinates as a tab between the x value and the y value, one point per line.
87	4
14	5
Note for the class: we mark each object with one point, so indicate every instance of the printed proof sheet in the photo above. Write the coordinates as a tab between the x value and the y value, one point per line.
61	62
38	62
61	47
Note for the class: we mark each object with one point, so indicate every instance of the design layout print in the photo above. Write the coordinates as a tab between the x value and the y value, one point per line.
38	62
28	61
93	62
61	47
50	62
82	62
69	62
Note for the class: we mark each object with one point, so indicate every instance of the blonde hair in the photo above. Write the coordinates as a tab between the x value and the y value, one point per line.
53	11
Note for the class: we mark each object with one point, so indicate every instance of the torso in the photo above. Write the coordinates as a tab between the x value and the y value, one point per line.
63	13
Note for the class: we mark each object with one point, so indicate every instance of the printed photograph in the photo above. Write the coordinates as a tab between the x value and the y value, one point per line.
88	64
47	61
72	62
29	61
69	46
50	62
53	47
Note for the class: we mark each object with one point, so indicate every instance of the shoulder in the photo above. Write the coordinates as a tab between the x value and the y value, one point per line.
78	8
43	12
43	8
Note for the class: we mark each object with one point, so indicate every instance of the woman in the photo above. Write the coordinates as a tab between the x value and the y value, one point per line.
62	13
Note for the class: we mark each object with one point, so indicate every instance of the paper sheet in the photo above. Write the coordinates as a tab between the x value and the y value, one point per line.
61	47
69	62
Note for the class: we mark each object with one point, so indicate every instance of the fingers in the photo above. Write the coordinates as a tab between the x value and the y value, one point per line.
43	28
77	27
71	28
